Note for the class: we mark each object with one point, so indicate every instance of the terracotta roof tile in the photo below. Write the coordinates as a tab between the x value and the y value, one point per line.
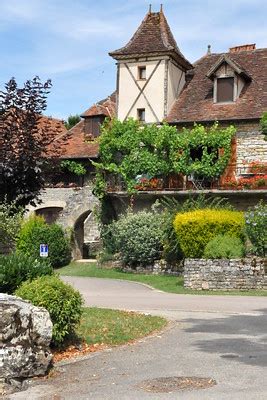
105	107
195	103
152	36
74	144
55	126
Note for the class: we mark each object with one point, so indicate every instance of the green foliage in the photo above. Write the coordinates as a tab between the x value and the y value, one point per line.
26	139
74	167
194	229
62	301
35	231
256	228
263	124
138	238
128	149
171	206
215	145
17	268
224	246
10	222
72	121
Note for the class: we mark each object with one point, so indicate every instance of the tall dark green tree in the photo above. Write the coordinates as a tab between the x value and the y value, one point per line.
72	121
25	139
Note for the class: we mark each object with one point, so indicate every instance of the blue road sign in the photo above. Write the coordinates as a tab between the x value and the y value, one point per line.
43	250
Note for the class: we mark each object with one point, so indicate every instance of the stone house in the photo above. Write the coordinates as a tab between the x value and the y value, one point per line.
156	83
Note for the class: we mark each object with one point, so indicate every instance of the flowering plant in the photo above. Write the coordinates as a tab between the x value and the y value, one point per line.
258	167
252	182
256	222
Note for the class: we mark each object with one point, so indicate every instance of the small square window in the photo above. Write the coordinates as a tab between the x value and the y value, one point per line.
141	72
141	114
225	90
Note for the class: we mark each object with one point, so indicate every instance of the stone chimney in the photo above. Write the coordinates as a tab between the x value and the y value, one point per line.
244	47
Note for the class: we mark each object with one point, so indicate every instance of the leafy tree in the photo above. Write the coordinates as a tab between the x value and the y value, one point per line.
25	138
72	121
10	222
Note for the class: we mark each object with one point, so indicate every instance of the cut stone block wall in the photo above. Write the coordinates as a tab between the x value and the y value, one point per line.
159	267
250	146
222	274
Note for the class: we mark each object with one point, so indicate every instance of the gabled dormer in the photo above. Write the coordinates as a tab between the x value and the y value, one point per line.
95	116
228	80
151	71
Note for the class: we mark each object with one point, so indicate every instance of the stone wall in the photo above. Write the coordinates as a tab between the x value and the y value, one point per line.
159	267
25	335
222	274
77	205
250	146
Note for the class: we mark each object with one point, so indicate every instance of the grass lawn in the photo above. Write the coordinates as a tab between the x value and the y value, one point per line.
112	327
169	284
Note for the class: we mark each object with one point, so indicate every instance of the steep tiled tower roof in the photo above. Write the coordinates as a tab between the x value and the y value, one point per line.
153	37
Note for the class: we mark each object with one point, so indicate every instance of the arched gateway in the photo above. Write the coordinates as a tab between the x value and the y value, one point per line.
73	210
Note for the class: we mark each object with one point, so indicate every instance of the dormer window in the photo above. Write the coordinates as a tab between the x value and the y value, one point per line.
225	90
142	73
228	80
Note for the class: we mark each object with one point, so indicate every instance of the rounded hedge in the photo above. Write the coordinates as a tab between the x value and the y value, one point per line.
63	303
195	229
36	231
138	238
17	268
224	246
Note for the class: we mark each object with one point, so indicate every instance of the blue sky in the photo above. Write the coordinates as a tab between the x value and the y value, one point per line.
68	41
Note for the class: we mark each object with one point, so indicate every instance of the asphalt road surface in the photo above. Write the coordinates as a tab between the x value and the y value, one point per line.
218	337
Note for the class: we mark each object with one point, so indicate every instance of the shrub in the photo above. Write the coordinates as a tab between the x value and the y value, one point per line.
138	237
10	222
256	223
171	249
17	268
35	231
195	229
62	301
224	246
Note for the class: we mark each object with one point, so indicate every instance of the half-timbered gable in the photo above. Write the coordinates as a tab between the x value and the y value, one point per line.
151	71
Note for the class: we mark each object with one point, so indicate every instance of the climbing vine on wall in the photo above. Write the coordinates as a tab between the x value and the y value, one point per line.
74	167
202	152
129	150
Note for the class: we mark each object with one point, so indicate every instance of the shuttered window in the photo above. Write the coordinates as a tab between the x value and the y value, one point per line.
92	125
225	90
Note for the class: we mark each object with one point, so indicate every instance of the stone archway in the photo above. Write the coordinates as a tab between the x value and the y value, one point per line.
78	235
50	214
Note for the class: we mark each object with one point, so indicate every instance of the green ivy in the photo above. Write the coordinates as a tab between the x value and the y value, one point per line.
215	144
74	167
129	149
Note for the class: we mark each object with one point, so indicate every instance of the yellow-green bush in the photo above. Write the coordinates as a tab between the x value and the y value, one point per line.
194	229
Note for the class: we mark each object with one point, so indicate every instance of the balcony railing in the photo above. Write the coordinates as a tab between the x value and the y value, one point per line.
191	182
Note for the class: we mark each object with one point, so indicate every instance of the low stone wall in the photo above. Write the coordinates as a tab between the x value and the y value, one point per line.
160	267
222	274
25	335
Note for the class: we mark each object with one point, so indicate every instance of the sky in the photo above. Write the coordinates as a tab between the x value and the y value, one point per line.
68	41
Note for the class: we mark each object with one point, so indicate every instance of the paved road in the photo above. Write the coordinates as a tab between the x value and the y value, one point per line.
134	296
220	337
